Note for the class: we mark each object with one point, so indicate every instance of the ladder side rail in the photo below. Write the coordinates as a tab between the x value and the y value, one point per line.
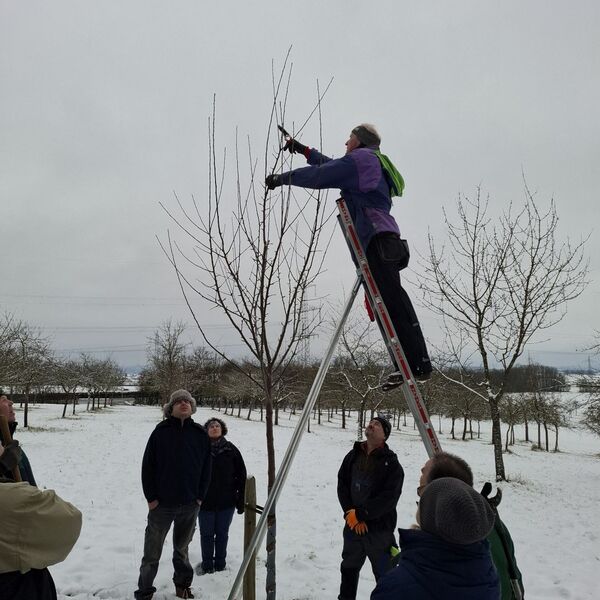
409	388
290	453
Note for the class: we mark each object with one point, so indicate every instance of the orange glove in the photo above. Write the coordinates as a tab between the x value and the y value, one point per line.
361	528
351	519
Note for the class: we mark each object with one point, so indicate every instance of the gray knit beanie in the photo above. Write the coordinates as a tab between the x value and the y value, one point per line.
367	134
454	511
177	395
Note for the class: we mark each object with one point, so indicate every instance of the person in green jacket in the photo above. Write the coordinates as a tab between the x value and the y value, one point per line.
502	548
7	410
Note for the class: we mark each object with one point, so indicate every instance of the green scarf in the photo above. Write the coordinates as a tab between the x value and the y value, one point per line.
397	186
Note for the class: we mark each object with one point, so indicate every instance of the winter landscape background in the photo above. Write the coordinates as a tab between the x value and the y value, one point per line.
93	460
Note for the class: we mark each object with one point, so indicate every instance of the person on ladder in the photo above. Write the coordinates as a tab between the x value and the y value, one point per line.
368	180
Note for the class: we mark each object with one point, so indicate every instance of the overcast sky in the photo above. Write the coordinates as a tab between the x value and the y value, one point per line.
104	108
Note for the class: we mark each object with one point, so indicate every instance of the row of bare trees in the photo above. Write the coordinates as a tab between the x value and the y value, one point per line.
353	384
29	367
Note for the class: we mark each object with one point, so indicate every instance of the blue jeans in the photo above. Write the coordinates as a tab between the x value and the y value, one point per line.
159	522
214	534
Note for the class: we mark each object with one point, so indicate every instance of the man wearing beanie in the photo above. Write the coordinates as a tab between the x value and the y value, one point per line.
444	464
175	476
367	181
369	486
449	556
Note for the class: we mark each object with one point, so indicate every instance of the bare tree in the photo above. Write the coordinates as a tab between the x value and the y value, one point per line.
166	355
28	357
252	254
69	375
498	284
590	386
361	366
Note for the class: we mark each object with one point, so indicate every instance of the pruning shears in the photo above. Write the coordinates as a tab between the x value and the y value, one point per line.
286	136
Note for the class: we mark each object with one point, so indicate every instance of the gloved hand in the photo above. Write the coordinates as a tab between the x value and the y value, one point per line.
11	456
294	147
240	509
273	181
361	528
351	519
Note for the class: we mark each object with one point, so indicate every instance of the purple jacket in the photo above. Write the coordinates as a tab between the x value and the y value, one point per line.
362	183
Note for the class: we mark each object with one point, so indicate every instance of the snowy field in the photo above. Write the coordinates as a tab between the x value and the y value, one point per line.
552	505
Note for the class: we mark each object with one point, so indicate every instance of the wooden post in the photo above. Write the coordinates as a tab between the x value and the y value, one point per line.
249	527
7	438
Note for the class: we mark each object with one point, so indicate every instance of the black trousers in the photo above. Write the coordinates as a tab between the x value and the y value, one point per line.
36	584
375	545
400	308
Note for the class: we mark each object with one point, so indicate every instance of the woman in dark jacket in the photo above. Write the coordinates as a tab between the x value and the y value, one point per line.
449	557
225	495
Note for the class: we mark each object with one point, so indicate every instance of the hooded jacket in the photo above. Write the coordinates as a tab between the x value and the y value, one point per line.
433	569
363	185
38	528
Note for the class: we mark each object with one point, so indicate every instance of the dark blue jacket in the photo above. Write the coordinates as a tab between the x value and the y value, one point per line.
24	464
362	183
432	569
177	463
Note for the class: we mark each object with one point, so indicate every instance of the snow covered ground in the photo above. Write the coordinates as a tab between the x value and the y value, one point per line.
551	505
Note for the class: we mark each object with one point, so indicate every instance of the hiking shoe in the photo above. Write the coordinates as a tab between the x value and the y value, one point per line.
183	592
423	376
393	381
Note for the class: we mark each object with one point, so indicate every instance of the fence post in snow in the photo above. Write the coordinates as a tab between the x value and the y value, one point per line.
249	527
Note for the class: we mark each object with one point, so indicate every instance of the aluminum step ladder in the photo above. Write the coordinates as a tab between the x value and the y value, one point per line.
407	385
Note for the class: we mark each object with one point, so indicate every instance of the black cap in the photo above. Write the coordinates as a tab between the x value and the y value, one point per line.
385	424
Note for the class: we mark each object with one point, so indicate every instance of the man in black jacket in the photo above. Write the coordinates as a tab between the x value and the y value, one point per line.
175	476
369	486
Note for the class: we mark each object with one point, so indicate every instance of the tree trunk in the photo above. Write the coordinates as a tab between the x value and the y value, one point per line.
546	435
526	430
64	413
26	410
556	439
452	430
464	433
271	582
343	417
497	439
270	585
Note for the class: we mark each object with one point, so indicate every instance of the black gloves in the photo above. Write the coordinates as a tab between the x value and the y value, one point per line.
10	457
295	147
273	181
